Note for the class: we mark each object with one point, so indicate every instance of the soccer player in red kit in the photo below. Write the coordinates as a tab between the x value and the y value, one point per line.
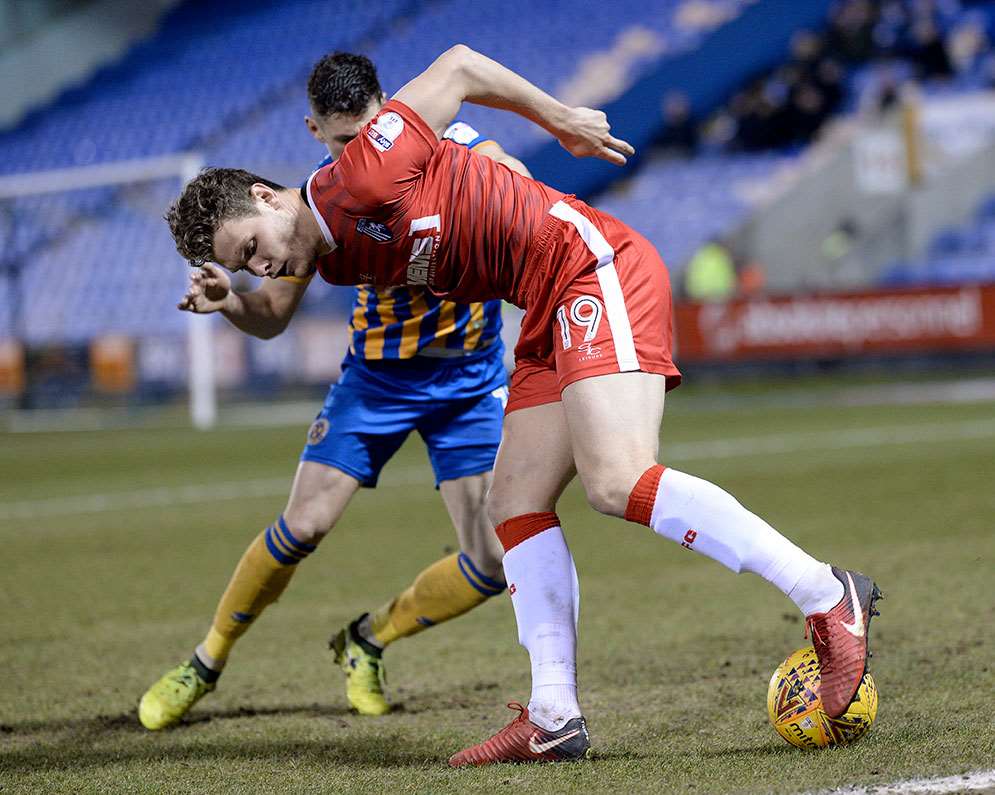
593	362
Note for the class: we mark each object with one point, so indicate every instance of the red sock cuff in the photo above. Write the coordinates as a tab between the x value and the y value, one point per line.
517	529
643	495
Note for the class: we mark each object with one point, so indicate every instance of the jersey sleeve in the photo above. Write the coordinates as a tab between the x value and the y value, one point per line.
381	164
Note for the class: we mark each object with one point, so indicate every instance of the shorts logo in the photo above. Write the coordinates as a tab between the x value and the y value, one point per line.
384	131
379	232
588	350
512	589
317	431
689	538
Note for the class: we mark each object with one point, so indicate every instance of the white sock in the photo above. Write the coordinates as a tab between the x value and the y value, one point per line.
701	516
543	584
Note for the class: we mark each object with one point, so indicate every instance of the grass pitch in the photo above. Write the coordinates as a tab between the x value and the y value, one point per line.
675	652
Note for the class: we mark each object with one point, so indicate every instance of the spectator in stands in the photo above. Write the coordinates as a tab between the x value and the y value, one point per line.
759	116
838	244
752	278
719	132
969	48
851	31
710	274
806	112
883	90
829	78
807	50
680	133
891	28
928	51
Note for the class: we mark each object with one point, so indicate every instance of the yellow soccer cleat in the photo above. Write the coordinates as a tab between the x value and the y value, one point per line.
171	697
364	671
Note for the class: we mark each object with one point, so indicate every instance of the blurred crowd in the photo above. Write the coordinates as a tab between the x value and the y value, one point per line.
873	47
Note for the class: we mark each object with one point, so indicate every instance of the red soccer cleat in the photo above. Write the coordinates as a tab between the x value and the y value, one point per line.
840	640
523	741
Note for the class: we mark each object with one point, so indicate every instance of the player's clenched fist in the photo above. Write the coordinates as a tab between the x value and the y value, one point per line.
209	287
586	133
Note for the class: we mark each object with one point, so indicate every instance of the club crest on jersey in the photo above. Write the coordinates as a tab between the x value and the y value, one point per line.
384	131
317	431
379	232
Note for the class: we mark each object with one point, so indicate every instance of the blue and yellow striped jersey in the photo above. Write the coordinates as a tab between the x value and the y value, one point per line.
400	322
403	322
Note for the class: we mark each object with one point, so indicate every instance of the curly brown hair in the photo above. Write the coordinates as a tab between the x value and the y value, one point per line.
214	196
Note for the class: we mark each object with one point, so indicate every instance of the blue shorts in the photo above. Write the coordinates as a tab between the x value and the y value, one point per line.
456	405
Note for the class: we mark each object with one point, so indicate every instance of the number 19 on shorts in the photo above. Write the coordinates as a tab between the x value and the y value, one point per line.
585	313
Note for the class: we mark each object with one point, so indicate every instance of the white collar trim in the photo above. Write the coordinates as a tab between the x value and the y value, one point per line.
325	231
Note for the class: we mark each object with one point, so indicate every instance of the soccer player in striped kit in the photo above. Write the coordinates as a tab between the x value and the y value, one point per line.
593	361
416	362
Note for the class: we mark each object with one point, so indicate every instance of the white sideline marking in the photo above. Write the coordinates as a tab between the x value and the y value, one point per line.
775	444
980	779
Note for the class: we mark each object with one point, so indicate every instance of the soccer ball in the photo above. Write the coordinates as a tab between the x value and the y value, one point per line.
795	709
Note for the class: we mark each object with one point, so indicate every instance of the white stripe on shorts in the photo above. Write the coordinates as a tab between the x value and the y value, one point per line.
611	289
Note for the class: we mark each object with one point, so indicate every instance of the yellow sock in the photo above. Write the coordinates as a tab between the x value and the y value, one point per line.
259	579
446	589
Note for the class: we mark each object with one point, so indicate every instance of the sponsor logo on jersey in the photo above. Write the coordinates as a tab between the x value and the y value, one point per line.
421	264
379	232
384	131
380	141
421	260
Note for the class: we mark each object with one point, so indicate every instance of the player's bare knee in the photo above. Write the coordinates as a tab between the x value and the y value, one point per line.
497	506
608	495
506	503
309	525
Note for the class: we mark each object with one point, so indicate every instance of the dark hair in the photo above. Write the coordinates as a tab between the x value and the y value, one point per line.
214	196
343	83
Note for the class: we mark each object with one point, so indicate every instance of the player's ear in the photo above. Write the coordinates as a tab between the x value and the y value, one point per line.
312	127
265	194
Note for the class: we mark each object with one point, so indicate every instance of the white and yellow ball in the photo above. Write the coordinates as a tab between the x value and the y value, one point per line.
795	709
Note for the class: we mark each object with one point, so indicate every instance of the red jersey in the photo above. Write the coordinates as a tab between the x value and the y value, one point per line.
402	207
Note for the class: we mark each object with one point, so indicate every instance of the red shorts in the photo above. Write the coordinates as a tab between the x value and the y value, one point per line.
598	302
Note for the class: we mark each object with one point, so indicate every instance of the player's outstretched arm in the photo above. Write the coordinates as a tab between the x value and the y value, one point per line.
263	312
462	75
